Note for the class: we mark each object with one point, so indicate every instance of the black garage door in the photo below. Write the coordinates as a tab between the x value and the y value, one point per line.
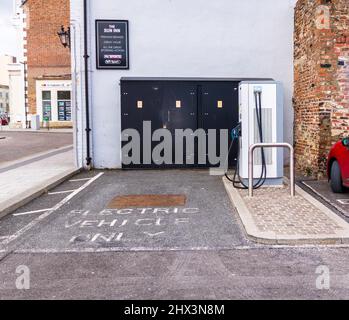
177	104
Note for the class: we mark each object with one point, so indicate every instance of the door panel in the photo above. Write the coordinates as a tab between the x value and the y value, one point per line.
180	112
179	105
220	110
141	102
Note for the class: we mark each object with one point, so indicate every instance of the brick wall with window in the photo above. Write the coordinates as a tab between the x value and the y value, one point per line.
321	96
46	57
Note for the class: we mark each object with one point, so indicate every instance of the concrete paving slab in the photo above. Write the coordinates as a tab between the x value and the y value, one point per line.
272	216
10	165
24	183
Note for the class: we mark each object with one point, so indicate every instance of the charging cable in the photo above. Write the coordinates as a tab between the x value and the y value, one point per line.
235	135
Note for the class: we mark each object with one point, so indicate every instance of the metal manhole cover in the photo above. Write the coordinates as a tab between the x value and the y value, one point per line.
147	200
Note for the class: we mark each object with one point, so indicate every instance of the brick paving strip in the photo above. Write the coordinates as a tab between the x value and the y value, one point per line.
272	216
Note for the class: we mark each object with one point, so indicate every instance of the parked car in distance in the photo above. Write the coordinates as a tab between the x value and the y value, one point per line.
3	121
338	166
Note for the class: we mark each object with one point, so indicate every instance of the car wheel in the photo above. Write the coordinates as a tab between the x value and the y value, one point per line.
336	178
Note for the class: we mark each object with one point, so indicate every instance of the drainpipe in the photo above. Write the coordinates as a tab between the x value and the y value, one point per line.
87	97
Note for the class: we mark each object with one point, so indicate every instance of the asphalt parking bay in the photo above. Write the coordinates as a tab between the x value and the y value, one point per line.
75	216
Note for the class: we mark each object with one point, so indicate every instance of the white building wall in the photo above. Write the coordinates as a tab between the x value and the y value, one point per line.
78	83
16	84
16	70
18	21
5	60
182	38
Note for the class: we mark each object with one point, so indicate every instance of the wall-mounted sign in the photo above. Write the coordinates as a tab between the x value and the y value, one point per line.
112	44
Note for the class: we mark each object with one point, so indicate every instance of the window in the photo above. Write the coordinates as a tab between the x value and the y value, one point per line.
46	106
64	105
63	95
46	95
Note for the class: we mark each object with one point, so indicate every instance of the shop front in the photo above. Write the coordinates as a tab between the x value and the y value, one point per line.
53	103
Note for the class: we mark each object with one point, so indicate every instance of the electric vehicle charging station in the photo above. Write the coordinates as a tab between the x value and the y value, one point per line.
261	121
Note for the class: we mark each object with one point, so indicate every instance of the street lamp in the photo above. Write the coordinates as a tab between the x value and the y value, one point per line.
64	37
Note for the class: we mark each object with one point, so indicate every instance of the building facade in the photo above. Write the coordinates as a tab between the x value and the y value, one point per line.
321	96
5	62
222	39
4	99
16	91
17	81
47	62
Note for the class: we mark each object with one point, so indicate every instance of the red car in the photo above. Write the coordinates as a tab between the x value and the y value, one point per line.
3	121
338	166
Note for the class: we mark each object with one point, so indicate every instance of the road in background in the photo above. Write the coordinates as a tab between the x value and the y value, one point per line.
17	145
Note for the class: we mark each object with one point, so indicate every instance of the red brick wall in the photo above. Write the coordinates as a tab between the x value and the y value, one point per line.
45	54
321	97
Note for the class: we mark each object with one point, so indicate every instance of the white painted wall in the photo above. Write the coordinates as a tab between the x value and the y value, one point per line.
19	23
16	83
5	60
182	38
16	70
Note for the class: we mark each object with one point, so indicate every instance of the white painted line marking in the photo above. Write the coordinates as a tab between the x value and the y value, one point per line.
60	192
77	180
48	213
3	238
343	201
340	209
30	212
